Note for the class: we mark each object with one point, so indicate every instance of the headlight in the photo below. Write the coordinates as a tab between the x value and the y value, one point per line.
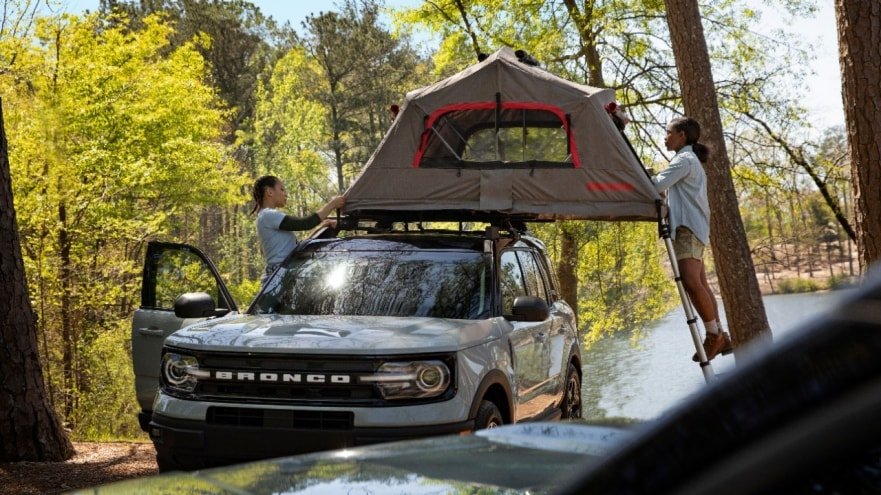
410	380
180	372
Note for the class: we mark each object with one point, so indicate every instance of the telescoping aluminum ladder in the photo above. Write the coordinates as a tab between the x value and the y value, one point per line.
691	317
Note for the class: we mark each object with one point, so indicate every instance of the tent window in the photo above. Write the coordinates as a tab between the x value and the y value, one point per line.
518	145
480	135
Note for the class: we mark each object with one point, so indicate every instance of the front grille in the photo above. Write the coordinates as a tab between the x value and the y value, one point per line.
348	393
274	392
340	375
280	418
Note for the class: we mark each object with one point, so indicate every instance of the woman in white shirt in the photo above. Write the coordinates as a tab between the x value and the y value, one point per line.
276	229
685	182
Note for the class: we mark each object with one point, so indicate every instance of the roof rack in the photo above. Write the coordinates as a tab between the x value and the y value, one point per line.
499	225
496	218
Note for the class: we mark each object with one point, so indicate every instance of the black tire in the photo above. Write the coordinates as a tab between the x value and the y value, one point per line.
488	416
571	405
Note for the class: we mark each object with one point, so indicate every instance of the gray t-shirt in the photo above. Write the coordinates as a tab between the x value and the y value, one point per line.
276	244
686	186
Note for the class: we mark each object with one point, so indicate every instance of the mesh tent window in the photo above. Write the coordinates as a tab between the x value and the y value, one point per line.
497	135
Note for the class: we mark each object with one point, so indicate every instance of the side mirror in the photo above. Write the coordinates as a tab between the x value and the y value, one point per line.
196	305
530	308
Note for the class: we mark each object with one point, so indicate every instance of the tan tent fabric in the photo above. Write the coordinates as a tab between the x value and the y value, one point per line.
602	181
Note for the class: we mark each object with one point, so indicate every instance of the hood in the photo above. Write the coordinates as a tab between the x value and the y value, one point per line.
504	460
363	335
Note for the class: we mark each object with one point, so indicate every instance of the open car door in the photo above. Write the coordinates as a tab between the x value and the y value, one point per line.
169	270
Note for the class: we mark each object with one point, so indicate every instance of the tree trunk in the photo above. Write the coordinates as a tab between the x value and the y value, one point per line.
736	272
859	44
68	342
567	264
29	428
475	43
803	216
796	231
337	148
584	21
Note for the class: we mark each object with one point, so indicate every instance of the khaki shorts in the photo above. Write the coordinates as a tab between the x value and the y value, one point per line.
687	245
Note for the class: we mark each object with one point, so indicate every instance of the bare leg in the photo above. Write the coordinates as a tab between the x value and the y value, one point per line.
694	279
712	295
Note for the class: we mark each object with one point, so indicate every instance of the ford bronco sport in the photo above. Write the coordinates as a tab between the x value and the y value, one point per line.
355	339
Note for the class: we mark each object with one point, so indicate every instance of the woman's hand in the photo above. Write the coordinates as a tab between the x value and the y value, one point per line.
335	203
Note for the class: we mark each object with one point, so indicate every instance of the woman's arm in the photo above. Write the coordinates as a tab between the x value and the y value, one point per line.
299	223
333	204
677	171
305	223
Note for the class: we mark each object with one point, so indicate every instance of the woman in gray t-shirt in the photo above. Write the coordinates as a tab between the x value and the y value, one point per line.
276	229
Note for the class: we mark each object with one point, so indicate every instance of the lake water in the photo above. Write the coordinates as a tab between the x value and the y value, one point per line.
626	381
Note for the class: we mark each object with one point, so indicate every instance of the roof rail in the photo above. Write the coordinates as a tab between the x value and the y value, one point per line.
498	226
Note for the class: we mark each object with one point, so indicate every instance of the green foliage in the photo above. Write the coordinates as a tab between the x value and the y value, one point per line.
361	70
244	292
622	279
107	408
237	44
178	272
797	285
290	131
841	282
789	219
116	139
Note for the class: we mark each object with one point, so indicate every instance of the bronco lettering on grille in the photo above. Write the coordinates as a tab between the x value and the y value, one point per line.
250	376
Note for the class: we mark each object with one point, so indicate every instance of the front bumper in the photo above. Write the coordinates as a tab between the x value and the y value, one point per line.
196	444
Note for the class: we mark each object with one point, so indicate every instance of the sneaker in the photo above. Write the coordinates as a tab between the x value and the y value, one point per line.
715	344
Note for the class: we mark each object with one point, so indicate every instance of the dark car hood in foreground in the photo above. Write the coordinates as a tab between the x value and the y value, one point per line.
509	459
343	334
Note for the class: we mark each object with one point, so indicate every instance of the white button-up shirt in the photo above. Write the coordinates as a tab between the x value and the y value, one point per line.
686	186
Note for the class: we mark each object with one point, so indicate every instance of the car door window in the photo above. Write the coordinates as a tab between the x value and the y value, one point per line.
548	276
510	280
532	275
178	272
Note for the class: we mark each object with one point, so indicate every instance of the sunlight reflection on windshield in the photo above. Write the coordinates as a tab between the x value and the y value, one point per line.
336	278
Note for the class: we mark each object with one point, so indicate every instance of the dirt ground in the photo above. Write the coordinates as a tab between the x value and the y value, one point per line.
94	464
819	269
770	279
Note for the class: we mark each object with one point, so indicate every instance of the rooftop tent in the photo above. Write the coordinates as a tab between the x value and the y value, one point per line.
505	137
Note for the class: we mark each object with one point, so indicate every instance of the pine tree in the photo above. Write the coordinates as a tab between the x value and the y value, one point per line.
29	428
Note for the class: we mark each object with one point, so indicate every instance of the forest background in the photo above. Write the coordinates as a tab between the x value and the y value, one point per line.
150	120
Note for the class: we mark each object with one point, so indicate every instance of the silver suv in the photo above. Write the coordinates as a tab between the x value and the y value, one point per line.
353	340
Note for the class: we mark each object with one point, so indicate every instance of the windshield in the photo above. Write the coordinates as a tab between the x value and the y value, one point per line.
439	284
